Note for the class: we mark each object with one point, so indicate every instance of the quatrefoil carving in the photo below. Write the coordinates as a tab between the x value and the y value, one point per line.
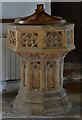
54	39
29	39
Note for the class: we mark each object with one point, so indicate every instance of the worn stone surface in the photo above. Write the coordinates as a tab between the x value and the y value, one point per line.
42	103
8	112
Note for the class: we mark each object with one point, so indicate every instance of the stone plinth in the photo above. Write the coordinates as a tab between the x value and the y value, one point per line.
42	49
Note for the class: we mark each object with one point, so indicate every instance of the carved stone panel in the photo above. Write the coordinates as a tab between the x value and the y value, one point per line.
69	35
50	75
54	39
29	40
12	37
35	75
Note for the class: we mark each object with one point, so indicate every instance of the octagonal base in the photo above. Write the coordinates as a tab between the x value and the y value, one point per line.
42	103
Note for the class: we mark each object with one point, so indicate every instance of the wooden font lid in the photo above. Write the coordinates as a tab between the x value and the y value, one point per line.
39	17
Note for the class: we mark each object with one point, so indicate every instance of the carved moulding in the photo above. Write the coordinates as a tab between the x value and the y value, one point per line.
30	55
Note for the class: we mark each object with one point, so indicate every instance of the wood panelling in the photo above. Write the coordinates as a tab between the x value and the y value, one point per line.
10	20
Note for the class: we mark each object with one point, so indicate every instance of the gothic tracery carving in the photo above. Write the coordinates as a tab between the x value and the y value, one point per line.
50	74
29	39
35	75
12	37
54	39
35	65
51	64
69	37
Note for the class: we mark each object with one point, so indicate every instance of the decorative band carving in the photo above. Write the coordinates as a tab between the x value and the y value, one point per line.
41	55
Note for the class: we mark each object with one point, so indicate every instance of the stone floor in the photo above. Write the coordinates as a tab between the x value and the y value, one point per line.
9	96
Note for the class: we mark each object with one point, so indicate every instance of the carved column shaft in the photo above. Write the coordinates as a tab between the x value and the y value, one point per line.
41	74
